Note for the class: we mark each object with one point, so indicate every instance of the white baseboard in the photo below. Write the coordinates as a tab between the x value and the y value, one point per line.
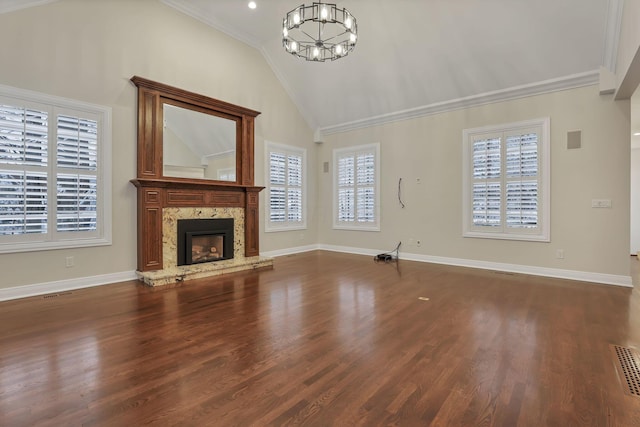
65	285
105	279
289	251
583	276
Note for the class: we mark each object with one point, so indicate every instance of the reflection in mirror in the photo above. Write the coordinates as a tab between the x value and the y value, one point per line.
198	145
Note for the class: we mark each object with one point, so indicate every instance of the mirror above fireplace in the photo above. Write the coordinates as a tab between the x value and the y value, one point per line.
198	145
188	136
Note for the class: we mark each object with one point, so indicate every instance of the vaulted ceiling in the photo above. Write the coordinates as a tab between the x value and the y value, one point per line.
419	56
414	56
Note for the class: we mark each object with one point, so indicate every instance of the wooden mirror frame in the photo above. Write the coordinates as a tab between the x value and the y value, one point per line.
156	191
152	95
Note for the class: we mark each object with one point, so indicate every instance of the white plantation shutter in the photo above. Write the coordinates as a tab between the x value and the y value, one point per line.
366	195
286	180
522	180
77	169
23	170
486	182
52	174
294	188
23	203
277	188
486	204
356	188
346	191
506	184
76	203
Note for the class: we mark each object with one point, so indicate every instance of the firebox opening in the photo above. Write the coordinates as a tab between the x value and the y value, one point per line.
204	240
205	247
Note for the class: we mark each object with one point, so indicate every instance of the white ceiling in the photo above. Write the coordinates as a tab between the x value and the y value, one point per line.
418	56
414	54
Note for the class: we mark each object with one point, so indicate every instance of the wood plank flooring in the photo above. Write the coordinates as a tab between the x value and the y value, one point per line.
323	339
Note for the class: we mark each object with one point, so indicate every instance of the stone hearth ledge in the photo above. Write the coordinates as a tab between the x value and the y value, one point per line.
196	271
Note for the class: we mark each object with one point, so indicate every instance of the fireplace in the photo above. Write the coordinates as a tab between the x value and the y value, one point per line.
204	240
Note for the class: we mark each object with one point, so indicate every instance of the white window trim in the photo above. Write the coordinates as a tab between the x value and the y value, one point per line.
544	152
63	240
272	227
337	225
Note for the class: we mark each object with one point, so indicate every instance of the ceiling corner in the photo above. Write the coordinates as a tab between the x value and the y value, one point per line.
13	5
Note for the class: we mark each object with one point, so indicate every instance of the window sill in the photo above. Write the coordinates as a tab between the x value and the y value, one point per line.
356	227
8	248
507	236
268	229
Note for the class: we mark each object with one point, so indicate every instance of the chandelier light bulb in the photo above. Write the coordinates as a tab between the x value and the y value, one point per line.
294	46
348	23
296	18
352	38
324	13
316	52
338	49
285	32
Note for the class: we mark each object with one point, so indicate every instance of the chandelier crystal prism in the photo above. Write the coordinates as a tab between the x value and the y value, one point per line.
319	32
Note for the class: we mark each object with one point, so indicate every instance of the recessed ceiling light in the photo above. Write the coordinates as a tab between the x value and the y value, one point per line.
252	5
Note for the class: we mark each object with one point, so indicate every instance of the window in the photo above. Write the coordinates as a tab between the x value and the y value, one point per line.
54	172
286	188
227	174
356	188
506	181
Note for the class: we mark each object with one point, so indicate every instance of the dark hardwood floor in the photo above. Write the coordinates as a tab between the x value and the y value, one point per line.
324	339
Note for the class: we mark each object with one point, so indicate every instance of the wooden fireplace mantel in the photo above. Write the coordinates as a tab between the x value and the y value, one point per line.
156	191
156	194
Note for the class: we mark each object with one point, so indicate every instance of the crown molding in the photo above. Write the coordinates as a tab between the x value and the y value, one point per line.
553	85
612	34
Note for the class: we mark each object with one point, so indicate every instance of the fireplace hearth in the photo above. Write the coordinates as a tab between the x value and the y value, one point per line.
204	240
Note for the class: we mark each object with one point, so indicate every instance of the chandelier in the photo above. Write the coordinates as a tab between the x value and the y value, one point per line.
319	32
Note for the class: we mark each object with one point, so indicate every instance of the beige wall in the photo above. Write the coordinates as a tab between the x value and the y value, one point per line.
430	148
635	201
88	50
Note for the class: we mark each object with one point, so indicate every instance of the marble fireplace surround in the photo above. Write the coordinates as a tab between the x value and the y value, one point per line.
161	202
172	273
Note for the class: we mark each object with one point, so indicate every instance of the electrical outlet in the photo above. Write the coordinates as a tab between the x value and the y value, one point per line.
69	262
418	242
601	203
560	253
